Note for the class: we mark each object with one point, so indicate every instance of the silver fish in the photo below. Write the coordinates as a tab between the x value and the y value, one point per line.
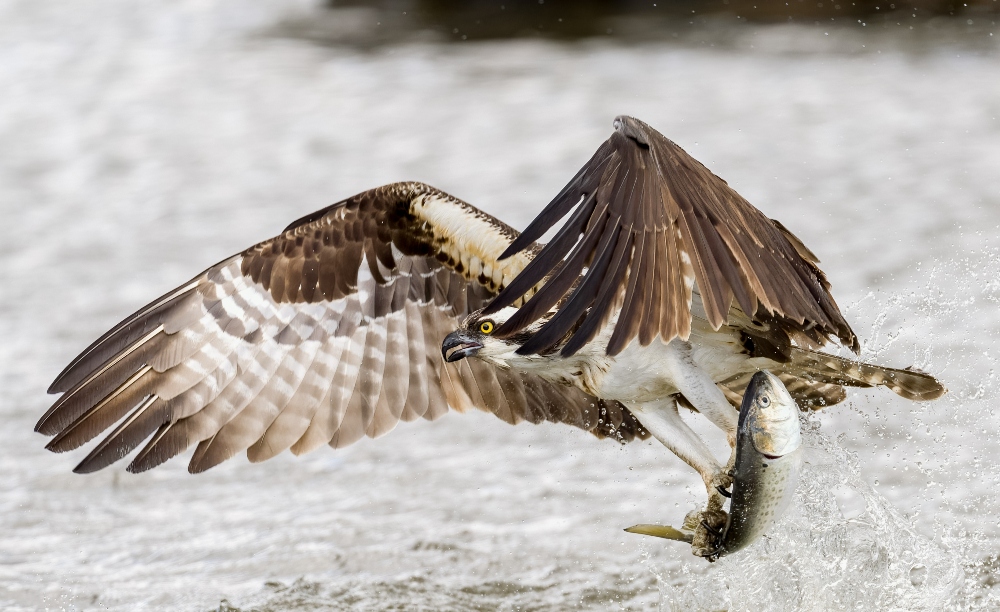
768	462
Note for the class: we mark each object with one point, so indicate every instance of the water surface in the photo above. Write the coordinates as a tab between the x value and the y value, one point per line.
144	141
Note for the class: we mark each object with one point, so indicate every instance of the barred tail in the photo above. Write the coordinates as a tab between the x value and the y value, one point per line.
822	368
808	394
816	380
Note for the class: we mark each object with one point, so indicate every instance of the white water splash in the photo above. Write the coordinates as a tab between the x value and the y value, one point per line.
842	546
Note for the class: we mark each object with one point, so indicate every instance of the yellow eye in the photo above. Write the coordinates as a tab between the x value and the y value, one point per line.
486	327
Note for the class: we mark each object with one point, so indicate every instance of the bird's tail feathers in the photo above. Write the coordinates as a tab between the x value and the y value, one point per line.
830	369
808	394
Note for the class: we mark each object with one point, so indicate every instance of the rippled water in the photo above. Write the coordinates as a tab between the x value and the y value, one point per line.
145	140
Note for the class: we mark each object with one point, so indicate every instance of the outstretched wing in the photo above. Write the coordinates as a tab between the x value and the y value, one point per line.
650	223
324	334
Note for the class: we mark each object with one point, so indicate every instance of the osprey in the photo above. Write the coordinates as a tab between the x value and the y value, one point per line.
663	288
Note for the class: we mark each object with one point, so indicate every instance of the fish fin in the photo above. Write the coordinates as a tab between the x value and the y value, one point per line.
662	531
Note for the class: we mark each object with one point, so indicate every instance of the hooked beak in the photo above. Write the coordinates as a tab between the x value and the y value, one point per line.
464	345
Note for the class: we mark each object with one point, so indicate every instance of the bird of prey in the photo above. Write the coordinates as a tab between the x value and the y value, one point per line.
662	289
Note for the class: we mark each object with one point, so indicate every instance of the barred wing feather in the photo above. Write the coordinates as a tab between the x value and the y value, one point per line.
325	334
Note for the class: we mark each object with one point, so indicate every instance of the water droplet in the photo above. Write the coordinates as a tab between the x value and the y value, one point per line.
850	503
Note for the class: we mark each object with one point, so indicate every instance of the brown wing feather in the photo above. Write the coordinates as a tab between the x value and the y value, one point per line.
688	227
324	334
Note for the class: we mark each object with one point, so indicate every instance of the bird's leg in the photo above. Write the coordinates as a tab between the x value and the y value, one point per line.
662	420
698	388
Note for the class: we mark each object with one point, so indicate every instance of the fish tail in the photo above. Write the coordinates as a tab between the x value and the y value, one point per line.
662	531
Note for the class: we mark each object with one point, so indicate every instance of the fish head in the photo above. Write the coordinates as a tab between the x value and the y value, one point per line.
770	416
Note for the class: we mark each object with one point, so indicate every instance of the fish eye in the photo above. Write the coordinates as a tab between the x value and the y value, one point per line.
764	400
486	327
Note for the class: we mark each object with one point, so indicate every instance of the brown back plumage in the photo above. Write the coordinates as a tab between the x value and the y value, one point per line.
650	221
324	334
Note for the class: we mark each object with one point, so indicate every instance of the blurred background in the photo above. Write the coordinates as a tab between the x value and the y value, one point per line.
143	141
369	22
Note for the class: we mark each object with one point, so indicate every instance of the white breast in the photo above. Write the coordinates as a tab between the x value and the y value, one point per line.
643	373
647	373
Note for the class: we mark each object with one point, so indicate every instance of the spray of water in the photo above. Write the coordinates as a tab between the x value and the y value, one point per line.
844	545
841	547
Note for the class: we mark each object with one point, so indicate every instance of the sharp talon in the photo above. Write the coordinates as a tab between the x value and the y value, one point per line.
722	490
711	530
711	556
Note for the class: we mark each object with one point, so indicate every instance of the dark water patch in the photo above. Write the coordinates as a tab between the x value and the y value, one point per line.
373	23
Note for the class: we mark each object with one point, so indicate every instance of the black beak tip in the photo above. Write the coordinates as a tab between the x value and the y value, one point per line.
463	347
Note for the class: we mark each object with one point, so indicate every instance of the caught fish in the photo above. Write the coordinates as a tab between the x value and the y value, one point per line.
768	462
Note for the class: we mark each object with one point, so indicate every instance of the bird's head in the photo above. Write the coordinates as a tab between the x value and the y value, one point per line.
475	338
